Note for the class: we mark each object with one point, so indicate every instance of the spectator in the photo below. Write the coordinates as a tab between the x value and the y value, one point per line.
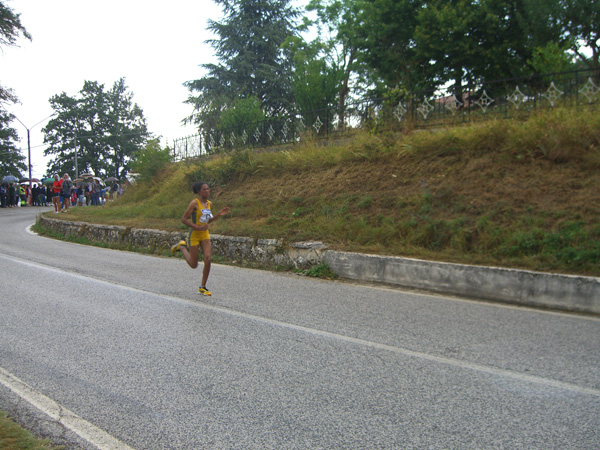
35	193
12	195
42	195
95	192
56	188
22	195
114	190
3	196
80	195
65	192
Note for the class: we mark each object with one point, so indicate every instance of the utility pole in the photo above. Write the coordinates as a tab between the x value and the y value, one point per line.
76	167
29	141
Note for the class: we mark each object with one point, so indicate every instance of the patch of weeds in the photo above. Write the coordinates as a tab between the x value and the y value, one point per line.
573	245
12	436
352	198
434	235
365	202
426	203
321	270
301	211
389	202
342	211
240	202
527	242
327	211
276	217
379	219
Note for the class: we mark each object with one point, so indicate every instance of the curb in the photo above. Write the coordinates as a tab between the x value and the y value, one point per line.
522	287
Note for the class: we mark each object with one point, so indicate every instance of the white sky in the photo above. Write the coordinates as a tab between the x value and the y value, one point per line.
155	45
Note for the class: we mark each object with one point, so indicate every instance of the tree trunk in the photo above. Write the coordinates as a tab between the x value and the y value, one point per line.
344	92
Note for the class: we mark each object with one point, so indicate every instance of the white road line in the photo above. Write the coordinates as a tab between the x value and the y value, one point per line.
91	433
404	351
340	337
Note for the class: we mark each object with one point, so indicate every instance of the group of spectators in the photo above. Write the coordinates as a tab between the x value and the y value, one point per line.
13	195
66	194
61	193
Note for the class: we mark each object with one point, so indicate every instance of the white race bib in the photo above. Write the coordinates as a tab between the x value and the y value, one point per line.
206	215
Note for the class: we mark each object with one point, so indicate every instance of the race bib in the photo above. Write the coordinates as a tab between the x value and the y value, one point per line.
206	216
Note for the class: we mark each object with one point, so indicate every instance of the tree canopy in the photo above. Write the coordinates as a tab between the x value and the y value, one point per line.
11	160
11	29
251	60
104	128
381	48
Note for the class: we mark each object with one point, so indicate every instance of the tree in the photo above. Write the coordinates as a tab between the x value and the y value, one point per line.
582	27
11	160
385	32
315	81
551	58
150	160
337	25
10	30
126	129
242	111
421	45
97	131
477	40
252	62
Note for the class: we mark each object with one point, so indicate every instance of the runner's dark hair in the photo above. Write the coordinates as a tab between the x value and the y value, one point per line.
197	187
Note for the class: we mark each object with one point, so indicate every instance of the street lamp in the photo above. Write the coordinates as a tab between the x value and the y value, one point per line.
29	140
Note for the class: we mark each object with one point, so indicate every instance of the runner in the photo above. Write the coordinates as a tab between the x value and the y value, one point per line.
198	216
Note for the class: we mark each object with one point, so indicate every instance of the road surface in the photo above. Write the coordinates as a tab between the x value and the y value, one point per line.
117	351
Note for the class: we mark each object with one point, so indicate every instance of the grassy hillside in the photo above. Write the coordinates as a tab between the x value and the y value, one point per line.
514	193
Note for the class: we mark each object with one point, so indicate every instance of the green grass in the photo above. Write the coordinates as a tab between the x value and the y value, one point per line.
511	193
14	437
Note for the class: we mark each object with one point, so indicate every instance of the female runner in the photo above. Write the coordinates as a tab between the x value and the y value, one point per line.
197	216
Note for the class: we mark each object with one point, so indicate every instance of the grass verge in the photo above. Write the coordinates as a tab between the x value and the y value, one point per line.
14	437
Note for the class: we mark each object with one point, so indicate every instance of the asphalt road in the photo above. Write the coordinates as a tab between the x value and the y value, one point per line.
117	351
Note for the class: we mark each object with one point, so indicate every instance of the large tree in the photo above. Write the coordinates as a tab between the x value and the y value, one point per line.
338	44
98	131
11	29
315	81
386	36
11	160
251	60
471	40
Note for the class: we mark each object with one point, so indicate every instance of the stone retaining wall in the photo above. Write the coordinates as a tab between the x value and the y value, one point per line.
273	252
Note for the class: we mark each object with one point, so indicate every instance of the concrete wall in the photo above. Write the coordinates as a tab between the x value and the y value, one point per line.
571	293
563	292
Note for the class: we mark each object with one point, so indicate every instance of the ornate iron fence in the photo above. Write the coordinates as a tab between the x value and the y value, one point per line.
502	98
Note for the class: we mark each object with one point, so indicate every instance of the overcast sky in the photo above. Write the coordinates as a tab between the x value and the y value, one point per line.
155	45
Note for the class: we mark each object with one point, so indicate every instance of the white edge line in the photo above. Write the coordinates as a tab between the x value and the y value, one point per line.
90	433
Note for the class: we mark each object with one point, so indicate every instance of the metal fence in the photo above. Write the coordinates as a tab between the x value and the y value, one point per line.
502	98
